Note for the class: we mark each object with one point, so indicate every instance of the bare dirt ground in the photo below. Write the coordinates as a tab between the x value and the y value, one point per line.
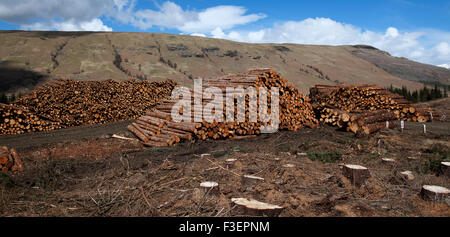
85	172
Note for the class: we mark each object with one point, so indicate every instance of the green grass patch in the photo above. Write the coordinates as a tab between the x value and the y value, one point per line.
432	158
325	157
5	180
160	149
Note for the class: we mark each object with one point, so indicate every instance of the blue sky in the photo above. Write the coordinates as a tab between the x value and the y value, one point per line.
418	30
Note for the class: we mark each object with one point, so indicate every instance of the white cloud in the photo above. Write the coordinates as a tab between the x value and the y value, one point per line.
63	15
225	17
71	25
198	34
27	11
422	46
171	15
445	65
85	15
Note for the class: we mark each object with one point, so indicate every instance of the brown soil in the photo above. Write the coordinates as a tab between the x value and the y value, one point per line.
85	172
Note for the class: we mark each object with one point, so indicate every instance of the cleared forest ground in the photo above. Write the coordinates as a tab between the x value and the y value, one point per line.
85	172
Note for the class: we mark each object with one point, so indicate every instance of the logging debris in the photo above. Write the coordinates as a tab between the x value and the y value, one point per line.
10	160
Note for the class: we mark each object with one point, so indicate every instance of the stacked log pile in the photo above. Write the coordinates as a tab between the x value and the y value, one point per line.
66	103
156	128
9	160
363	108
358	122
14	120
73	103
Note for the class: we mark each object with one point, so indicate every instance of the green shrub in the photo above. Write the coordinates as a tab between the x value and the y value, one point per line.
325	157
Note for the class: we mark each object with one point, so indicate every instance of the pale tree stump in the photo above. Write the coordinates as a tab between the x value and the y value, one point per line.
434	193
206	155
357	174
229	163
288	166
407	175
445	168
388	161
251	180
251	207
209	188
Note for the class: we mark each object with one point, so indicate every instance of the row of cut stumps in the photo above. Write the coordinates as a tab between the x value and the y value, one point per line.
358	175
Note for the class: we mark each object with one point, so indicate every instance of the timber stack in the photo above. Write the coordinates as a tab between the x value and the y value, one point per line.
74	103
364	109
157	127
15	120
65	103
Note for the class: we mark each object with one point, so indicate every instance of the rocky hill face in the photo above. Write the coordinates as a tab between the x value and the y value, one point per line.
30	58
402	67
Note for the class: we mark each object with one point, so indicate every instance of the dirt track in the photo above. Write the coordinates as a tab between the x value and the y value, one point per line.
83	172
26	141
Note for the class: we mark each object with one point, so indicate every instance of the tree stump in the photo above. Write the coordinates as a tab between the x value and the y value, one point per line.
434	193
407	175
388	161
445	168
251	180
251	207
357	174
288	166
209	188
230	163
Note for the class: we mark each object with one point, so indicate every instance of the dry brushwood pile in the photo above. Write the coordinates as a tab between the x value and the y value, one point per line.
14	120
156	128
9	160
364	109
72	103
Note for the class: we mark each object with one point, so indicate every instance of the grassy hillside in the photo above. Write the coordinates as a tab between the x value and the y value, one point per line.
30	58
402	67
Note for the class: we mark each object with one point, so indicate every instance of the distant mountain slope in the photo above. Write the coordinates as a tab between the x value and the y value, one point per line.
30	58
402	67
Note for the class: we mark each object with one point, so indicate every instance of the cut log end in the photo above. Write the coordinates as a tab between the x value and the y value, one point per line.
251	207
434	193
